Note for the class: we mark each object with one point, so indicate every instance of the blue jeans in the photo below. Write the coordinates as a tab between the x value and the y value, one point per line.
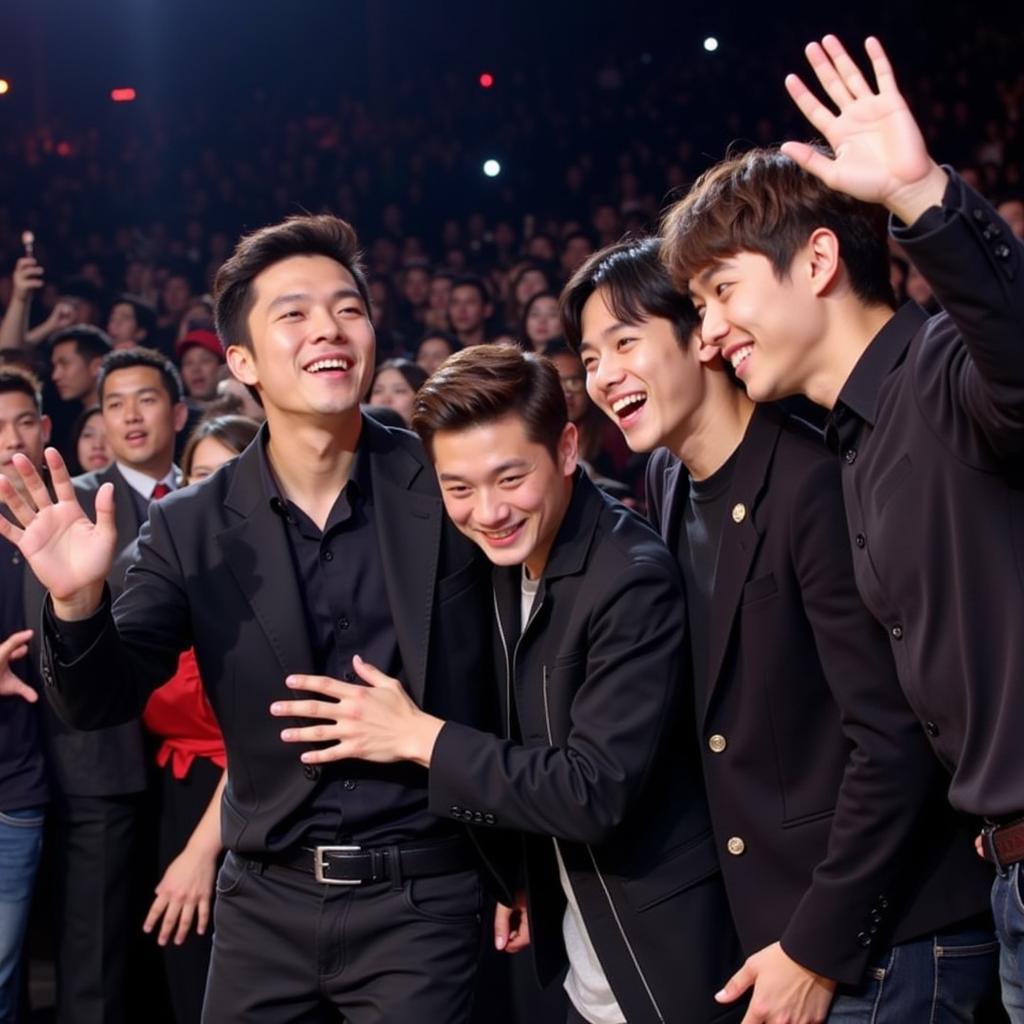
21	840
938	980
1008	907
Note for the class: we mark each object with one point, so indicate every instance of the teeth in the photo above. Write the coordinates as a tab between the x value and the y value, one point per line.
739	355
627	400
502	534
328	364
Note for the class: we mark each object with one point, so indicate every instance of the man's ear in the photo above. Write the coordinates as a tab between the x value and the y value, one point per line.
94	366
822	260
46	428
180	414
569	449
242	363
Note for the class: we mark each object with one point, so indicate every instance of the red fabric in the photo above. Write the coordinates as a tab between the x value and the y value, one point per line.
159	491
180	713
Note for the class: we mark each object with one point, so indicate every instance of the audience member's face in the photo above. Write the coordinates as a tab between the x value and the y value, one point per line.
176	294
530	283
1012	211
574	384
391	389
22	429
199	370
312	340
440	292
140	419
416	286
576	250
230	385
917	287
208	455
432	353
466	309
123	327
505	492
74	376
542	323
93	451
639	375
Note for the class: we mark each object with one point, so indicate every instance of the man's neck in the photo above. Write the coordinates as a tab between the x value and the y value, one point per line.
468	339
706	440
838	352
312	459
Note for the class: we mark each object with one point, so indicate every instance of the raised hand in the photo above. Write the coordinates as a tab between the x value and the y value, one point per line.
27	278
880	153
15	646
69	554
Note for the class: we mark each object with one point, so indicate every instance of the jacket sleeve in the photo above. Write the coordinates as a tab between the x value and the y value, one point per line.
891	774
975	266
580	787
100	671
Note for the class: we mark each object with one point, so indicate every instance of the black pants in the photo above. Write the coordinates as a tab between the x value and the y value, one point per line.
182	803
289	950
98	888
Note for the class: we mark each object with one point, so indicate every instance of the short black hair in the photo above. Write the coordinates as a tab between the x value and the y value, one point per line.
126	358
145	315
636	287
473	281
16	379
90	342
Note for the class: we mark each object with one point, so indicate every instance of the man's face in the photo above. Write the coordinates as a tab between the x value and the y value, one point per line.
574	380
466	309
123	327
765	327
639	375
504	491
199	369
22	429
73	375
140	419
440	292
416	286
432	353
1012	211
312	341
576	250
176	294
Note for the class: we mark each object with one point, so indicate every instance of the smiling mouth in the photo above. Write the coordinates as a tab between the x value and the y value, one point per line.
323	365
498	536
739	355
627	405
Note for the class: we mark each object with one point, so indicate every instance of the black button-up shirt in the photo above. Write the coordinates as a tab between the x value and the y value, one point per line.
930	430
346	610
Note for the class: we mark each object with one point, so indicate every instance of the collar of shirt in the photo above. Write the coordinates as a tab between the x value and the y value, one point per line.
143	484
359	476
858	400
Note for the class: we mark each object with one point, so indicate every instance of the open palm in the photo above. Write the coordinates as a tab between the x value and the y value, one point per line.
68	553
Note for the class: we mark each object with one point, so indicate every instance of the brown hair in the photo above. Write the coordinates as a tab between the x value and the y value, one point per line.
320	235
234	432
763	202
489	382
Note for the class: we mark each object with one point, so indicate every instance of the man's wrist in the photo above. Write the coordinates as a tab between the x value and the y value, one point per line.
909	202
424	738
83	604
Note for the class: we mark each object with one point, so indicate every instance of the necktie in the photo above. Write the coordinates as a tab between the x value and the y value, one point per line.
159	491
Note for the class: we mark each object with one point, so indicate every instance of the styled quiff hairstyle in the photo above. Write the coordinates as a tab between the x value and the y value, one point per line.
319	235
636	287
763	202
17	379
486	383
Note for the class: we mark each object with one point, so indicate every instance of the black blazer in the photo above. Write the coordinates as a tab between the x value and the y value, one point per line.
109	761
214	571
604	760
812	756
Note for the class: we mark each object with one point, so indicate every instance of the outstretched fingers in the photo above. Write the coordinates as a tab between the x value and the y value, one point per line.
850	74
33	481
59	475
828	75
884	75
810	106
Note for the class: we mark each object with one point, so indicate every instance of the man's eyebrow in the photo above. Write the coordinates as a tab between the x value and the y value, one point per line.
502	467
341	293
708	272
148	390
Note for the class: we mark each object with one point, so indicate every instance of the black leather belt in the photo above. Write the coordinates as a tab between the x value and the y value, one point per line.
356	865
1003	844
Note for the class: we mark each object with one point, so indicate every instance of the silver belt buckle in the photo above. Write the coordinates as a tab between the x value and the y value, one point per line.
319	864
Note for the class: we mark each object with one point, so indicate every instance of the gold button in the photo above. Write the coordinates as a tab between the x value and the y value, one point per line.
717	743
735	846
739	512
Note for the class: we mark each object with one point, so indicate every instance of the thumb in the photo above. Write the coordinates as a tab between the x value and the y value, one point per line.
737	984
811	160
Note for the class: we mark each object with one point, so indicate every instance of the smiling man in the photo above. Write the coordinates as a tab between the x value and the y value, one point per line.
341	892
818	776
595	764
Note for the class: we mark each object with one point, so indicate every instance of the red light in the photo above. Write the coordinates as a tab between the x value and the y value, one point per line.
63	149
122	95
486	80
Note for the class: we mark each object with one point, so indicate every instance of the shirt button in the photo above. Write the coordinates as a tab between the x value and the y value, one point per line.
343	622
860	540
349	677
850	455
864	939
717	744
328	556
978	215
1002	251
311	772
897	632
736	846
931	728
739	512
350	784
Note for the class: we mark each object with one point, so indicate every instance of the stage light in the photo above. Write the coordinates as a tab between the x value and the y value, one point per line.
486	80
492	168
122	95
64	149
5	86
711	44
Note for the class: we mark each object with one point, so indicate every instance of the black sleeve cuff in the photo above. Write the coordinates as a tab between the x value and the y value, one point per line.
935	217
70	640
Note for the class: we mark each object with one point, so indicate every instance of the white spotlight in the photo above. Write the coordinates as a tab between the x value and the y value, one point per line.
711	44
492	168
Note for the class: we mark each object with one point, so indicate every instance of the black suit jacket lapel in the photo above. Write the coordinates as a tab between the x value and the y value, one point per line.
256	551
675	497
741	535
409	534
